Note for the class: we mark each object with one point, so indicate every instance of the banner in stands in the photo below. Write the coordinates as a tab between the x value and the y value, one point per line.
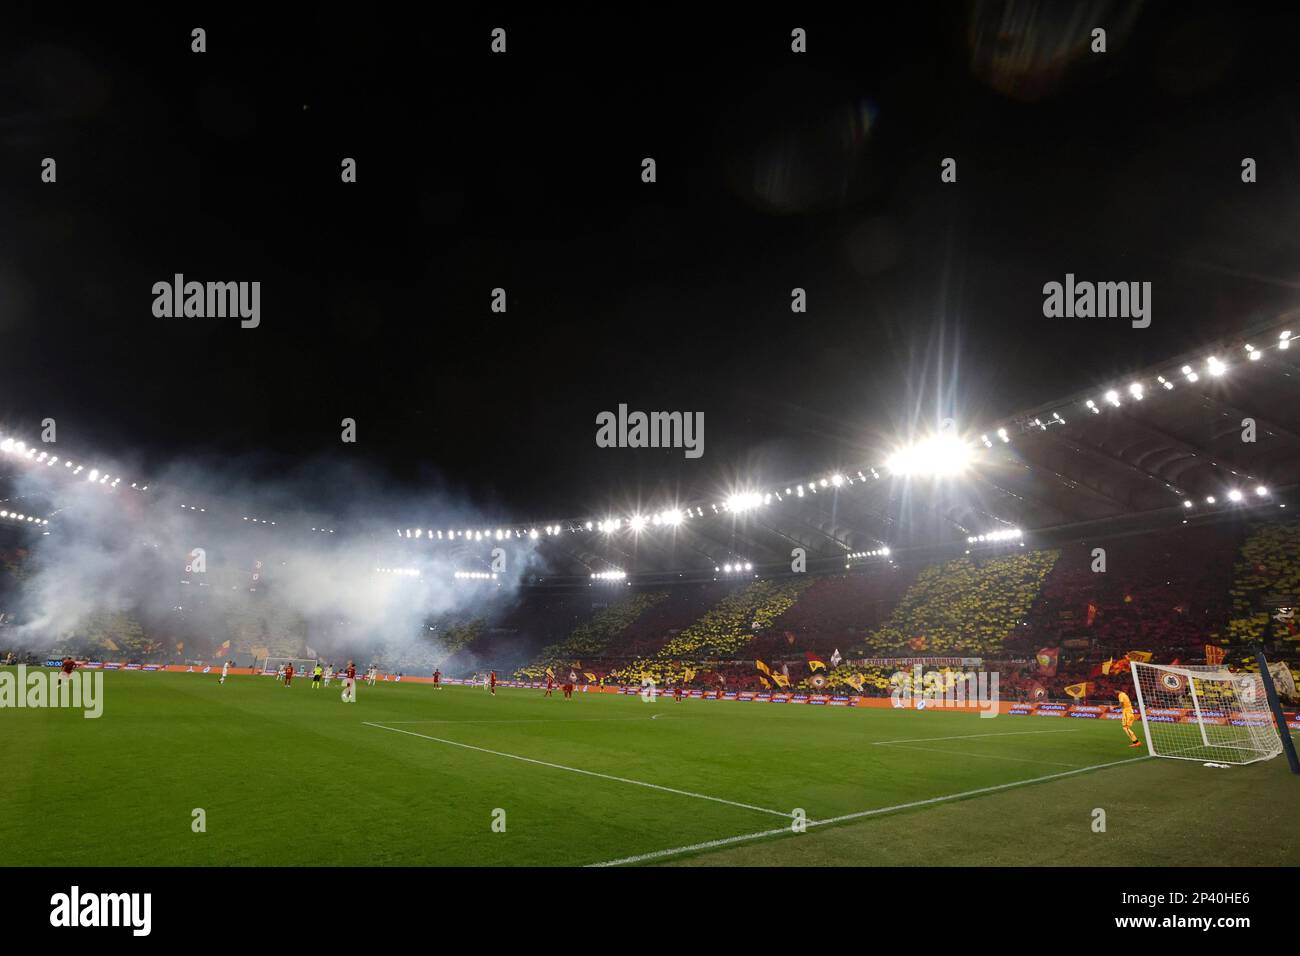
908	662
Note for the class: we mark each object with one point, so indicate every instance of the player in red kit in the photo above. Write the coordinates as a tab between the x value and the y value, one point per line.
568	691
288	675
550	685
437	679
66	672
492	683
350	684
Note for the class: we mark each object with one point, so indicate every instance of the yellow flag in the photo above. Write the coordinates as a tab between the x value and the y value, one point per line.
763	667
1140	656
1078	690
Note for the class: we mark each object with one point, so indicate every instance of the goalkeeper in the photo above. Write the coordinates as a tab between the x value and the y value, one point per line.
1127	718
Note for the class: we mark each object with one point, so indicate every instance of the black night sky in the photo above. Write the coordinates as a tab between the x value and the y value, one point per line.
775	170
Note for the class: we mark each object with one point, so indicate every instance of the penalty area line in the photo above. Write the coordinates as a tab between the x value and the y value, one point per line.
585	773
861	814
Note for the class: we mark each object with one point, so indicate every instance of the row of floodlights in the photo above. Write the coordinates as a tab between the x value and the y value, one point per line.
11	447
877	553
475	576
1215	367
736	568
1234	495
1006	534
608	575
15	516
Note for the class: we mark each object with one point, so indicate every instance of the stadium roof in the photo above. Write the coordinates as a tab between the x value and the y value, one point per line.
1165	440
1171	438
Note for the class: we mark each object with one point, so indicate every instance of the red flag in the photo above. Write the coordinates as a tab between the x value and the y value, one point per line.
1047	660
1213	654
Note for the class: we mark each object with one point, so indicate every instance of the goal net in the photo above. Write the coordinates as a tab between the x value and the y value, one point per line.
301	665
1205	713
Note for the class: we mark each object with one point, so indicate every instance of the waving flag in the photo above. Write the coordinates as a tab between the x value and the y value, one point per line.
835	658
1047	658
1142	657
1213	654
815	662
763	667
1078	691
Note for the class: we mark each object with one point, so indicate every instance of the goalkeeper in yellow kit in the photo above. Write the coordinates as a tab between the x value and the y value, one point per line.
1127	718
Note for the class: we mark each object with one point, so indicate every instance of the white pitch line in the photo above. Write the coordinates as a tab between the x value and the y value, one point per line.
587	773
780	831
1014	733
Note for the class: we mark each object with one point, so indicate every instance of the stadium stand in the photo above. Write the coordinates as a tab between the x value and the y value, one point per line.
1266	586
589	640
962	607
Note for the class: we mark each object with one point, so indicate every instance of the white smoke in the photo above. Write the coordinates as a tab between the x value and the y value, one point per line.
121	550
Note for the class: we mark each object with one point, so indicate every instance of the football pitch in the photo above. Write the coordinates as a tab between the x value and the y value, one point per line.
413	775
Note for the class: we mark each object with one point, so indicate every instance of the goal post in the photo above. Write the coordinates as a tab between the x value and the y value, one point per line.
301	665
1205	713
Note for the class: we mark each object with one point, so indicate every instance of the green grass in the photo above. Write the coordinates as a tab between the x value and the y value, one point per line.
296	777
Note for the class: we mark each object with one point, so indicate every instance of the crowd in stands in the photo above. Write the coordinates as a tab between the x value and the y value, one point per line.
836	611
1265	578
964	607
720	634
589	640
1164	592
1169	594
